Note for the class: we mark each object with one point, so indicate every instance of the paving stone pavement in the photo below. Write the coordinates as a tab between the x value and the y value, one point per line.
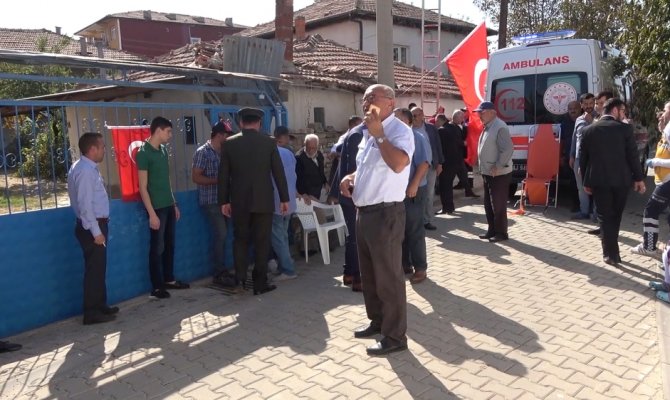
537	317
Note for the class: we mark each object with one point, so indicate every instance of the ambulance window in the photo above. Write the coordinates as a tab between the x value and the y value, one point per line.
511	97
554	92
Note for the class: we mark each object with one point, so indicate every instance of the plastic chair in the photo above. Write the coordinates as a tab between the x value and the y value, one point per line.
542	168
310	223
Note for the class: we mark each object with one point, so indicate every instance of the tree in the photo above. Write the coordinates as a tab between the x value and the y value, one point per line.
646	42
18	89
591	19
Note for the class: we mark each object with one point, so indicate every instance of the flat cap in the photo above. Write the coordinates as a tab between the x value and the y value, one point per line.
485	105
249	112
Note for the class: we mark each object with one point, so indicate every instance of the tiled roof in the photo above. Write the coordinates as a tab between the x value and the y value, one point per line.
323	11
173	17
317	61
28	39
324	61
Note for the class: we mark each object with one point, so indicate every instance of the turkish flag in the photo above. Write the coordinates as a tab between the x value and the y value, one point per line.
127	140
468	64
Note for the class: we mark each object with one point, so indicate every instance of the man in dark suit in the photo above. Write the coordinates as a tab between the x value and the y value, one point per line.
249	162
429	131
310	168
608	163
348	151
453	147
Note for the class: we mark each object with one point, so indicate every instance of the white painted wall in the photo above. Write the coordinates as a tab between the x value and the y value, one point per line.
338	105
347	34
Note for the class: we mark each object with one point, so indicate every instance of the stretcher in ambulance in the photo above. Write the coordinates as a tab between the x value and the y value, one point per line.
533	83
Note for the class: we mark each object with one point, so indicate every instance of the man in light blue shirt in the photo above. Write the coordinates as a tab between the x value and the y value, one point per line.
90	204
414	258
280	222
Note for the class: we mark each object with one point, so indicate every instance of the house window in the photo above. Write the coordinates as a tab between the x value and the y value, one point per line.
189	129
320	116
195	40
113	35
400	54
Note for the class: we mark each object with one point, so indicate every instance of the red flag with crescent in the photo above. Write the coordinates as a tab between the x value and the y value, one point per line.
468	64
127	140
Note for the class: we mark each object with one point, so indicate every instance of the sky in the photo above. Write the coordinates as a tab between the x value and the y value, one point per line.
74	15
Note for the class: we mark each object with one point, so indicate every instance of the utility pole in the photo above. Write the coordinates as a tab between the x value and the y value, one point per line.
502	25
385	43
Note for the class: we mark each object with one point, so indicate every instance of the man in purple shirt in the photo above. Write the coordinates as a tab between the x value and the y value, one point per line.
90	204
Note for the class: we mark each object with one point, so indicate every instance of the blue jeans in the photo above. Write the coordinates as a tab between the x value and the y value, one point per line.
414	243
161	248
280	244
218	225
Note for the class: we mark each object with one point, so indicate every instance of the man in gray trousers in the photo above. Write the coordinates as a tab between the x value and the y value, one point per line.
494	153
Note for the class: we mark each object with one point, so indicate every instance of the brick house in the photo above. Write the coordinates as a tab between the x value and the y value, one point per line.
151	33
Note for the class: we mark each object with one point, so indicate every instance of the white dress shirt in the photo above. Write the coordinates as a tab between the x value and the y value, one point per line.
375	181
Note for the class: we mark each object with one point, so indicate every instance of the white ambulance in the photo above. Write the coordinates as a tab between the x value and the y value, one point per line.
532	83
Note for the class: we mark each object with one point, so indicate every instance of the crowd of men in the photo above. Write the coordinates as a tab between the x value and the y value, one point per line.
386	167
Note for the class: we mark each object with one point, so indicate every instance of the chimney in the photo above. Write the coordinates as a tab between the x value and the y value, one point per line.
229	21
300	28
147	14
82	44
58	30
284	26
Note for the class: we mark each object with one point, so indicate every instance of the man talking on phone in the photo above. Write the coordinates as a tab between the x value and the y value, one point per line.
378	190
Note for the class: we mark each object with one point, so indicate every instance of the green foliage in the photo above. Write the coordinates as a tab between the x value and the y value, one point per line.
591	19
19	89
646	42
44	153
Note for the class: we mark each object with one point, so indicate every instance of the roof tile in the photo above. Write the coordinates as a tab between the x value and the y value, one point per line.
28	39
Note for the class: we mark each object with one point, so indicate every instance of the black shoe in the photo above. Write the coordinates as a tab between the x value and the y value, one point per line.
430	227
472	194
459	186
8	346
109	310
441	212
487	236
98	318
177	285
593	231
498	238
384	347
160	294
611	261
266	289
367	331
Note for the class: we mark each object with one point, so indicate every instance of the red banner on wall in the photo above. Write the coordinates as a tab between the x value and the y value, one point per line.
468	64
127	140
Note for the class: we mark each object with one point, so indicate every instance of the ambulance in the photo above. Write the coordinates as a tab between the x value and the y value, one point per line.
533	82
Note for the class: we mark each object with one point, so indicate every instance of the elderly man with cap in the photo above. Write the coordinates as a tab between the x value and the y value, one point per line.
494	153
204	173
249	162
378	189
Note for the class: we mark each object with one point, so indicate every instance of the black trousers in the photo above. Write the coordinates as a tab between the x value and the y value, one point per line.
246	225
447	184
351	249
95	268
379	233
656	204
610	203
496	190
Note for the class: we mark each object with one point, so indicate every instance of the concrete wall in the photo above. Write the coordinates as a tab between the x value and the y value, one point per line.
43	266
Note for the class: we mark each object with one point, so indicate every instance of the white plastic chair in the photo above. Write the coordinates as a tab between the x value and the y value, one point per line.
310	223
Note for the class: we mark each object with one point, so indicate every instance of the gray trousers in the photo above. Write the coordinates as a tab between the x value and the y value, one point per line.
429	209
379	233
